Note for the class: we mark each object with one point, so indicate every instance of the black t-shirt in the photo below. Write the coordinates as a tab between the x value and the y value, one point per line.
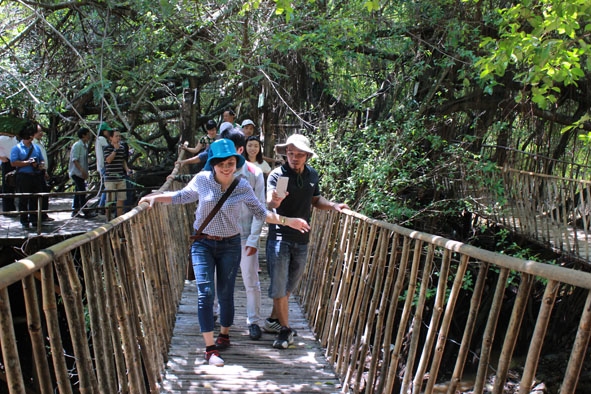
298	204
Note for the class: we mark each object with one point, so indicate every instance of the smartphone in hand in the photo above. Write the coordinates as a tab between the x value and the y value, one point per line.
281	188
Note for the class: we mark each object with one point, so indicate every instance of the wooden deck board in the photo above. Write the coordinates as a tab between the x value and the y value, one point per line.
63	226
250	366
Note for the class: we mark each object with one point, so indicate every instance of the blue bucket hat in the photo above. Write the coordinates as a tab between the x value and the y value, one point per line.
222	149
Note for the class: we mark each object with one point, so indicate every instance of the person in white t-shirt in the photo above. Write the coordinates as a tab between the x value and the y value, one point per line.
7	141
99	145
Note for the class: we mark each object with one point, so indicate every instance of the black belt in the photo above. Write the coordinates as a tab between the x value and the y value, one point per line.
211	237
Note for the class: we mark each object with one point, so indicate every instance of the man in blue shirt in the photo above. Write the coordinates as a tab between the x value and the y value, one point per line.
28	161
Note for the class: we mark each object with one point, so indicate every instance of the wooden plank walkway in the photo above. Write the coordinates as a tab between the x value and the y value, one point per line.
64	225
250	366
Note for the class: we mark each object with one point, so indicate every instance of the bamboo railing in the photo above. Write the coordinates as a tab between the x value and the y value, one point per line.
403	311
397	310
536	163
100	307
554	211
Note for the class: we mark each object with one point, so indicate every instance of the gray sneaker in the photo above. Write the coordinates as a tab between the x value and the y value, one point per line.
272	326
284	339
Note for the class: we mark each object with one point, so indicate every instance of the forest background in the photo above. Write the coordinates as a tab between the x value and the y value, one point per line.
395	95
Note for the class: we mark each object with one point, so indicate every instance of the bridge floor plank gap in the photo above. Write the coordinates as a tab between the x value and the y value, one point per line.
250	366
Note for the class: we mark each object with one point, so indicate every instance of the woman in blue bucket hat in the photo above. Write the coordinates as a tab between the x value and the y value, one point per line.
217	250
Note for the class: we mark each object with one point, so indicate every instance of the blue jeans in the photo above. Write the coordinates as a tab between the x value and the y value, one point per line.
103	199
285	263
220	258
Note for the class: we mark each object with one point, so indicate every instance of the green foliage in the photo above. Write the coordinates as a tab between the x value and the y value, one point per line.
511	248
389	170
487	177
543	44
11	125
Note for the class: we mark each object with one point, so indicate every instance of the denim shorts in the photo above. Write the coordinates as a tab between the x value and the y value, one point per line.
285	263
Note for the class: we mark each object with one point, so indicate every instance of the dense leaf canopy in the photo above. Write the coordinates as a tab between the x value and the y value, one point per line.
511	74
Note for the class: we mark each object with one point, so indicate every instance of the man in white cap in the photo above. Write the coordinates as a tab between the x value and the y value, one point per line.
287	250
247	128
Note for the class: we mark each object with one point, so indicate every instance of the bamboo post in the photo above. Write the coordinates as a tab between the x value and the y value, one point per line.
344	318
114	317
95	296
36	335
140	317
341	278
369	284
123	307
348	329
512	332
391	353
446	323
489	331
579	350
14	375
469	328
313	295
356	302
149	313
434	322
417	322
537	339
71	292
382	341
406	311
53	330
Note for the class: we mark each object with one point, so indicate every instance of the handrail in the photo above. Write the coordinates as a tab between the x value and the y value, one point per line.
536	162
116	287
535	268
40	196
551	210
396	309
399	310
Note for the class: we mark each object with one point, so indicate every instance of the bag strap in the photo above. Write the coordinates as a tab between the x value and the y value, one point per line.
217	207
28	155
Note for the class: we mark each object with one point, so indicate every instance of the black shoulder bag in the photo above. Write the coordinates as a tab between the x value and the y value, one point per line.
215	209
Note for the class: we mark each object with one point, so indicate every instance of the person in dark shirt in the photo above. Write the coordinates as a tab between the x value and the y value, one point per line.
115	171
287	250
